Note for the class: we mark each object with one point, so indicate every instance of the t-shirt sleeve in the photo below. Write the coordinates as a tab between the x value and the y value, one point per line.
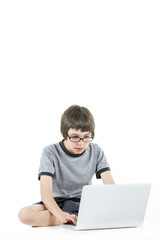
102	163
46	164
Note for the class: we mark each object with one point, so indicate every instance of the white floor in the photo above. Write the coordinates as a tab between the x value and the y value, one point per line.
149	231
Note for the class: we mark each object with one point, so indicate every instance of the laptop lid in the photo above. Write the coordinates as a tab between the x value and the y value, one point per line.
112	206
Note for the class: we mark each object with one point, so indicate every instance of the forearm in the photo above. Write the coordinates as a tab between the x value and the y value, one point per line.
107	178
51	205
62	216
46	195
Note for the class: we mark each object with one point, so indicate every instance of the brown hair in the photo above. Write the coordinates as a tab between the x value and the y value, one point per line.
79	118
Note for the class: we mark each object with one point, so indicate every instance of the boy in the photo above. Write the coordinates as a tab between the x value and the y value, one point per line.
65	168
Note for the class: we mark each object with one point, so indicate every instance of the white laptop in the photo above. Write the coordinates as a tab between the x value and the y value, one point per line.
112	206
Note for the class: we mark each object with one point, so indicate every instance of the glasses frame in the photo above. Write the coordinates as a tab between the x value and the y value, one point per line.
80	139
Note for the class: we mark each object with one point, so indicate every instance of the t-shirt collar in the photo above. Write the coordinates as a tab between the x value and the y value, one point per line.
69	153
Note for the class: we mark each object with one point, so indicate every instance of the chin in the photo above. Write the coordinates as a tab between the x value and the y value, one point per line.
78	151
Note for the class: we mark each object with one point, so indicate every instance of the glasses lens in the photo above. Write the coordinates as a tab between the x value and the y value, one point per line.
77	139
87	139
74	139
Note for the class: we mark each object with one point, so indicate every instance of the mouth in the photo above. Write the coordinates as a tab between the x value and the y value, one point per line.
79	149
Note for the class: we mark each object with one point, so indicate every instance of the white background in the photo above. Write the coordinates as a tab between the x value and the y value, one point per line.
104	55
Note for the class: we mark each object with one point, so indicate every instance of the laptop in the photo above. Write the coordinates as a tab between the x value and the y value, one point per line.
112	206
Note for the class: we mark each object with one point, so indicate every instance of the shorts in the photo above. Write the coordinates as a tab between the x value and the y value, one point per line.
70	205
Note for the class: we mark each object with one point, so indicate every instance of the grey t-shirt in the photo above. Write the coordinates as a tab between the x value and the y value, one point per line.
70	172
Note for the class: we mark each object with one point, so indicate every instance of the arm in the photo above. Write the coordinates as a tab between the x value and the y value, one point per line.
107	177
50	203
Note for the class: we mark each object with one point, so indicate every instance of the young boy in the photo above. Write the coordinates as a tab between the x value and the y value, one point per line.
65	168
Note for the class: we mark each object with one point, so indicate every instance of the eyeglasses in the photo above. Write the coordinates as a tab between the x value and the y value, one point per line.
78	139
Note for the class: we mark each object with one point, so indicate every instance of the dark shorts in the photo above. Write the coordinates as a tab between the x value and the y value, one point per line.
70	205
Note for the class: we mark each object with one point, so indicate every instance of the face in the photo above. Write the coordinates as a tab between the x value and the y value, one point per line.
76	147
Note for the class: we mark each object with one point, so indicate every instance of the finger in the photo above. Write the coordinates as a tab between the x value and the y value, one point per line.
75	217
65	221
74	220
71	220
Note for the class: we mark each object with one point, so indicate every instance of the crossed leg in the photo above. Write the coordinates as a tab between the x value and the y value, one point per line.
37	216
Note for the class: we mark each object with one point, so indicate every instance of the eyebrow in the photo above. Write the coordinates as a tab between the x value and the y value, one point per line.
75	134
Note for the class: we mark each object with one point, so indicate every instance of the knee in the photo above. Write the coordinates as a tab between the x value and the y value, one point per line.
24	215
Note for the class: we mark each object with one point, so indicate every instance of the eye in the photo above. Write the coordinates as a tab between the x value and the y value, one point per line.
74	139
87	137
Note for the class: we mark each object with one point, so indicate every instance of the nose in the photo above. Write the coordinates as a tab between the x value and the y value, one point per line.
81	142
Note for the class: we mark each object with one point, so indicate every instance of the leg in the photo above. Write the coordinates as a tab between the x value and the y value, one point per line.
37	216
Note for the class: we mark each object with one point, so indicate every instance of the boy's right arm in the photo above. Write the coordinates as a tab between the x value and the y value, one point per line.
50	203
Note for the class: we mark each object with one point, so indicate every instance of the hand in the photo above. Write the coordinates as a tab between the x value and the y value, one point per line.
65	217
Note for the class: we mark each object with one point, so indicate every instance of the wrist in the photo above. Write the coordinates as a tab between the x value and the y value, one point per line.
58	212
